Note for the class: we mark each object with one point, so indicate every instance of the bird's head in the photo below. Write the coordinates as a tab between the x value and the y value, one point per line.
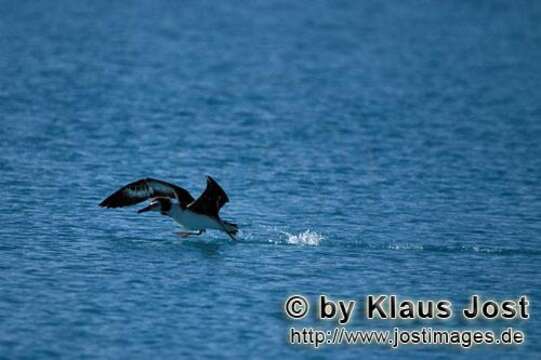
163	205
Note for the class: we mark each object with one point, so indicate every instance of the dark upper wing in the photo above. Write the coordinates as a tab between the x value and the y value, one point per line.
144	189
211	200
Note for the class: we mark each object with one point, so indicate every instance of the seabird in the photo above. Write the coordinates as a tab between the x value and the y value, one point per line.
173	201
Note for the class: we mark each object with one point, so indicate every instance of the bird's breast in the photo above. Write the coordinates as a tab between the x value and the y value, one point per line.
194	221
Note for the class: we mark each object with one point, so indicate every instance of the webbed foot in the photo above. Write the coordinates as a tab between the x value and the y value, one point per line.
185	234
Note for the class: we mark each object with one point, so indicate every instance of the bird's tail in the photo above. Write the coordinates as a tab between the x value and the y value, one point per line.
231	228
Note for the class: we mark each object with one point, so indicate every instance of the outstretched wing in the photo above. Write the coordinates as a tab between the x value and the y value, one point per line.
211	200
144	189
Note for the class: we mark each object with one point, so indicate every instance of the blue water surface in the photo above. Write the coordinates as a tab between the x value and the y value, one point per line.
367	147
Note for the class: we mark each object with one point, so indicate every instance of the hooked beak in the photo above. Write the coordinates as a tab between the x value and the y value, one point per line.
148	208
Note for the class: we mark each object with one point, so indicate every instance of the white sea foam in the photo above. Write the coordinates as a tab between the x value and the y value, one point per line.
308	238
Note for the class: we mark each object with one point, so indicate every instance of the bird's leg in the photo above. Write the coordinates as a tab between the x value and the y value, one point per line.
231	236
185	234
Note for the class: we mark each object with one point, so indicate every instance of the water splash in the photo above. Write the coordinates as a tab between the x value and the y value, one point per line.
308	238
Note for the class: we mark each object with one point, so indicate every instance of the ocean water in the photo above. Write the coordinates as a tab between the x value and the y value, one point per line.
367	147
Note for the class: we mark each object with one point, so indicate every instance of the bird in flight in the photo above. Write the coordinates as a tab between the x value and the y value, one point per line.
195	215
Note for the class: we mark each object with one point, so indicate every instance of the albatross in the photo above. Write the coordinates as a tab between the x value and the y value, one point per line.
195	215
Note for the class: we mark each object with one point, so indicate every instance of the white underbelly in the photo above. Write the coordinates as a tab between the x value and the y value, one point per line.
194	221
